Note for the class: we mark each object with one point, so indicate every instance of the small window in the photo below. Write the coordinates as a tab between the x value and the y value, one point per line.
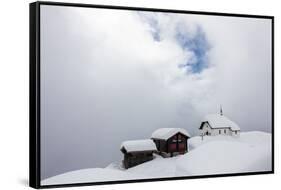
235	132
225	131
219	131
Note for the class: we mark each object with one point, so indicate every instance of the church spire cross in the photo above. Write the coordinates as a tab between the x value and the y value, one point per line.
221	113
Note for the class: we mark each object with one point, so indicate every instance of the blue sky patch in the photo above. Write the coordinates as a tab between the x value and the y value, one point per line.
152	21
198	44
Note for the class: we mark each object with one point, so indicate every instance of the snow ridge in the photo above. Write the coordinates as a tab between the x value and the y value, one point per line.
212	155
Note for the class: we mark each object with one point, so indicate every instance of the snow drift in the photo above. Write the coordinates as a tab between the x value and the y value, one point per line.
251	152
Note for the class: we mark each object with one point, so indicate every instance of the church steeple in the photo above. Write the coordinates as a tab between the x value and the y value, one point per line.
221	113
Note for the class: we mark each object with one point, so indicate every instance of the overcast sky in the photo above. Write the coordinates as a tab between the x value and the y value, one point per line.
114	75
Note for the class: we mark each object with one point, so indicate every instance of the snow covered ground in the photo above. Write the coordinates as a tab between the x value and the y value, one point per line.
213	155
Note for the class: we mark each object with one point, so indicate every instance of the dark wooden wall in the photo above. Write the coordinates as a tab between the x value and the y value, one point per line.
166	147
136	158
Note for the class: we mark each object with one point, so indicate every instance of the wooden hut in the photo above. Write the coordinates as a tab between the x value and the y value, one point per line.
171	141
137	152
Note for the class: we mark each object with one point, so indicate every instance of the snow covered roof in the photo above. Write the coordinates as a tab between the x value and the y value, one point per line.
220	121
139	145
166	133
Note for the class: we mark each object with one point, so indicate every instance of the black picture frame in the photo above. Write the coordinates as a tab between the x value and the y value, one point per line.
34	91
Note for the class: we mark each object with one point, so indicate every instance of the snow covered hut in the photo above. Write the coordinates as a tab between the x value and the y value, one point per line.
218	124
137	152
171	141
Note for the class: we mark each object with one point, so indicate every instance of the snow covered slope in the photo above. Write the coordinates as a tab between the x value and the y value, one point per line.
213	155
